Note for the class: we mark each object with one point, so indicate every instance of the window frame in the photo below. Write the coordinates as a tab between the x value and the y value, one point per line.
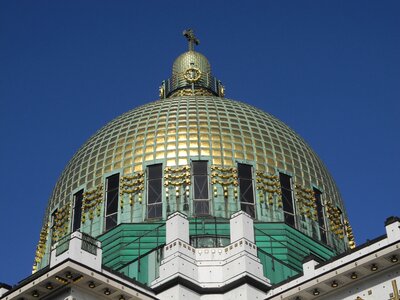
149	206
114	213
76	209
321	220
290	214
52	226
207	185
252	205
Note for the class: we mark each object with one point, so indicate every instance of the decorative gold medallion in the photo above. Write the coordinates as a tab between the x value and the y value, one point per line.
192	74
161	92
221	90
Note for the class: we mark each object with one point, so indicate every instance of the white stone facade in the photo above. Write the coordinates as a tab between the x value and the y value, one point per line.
370	272
210	268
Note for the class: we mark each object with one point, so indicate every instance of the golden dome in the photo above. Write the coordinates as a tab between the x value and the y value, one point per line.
174	131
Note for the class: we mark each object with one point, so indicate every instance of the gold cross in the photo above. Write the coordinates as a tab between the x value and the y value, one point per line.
192	39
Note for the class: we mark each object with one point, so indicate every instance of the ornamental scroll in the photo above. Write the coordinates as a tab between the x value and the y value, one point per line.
190	92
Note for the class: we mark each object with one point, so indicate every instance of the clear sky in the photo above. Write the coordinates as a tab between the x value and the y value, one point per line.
329	69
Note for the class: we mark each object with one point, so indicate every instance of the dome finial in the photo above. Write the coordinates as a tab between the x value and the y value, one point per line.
191	74
192	39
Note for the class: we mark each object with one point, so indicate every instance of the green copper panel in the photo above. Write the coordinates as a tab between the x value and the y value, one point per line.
274	269
136	249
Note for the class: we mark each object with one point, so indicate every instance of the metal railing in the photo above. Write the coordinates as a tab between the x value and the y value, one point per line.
63	244
89	244
206	232
295	251
137	241
178	82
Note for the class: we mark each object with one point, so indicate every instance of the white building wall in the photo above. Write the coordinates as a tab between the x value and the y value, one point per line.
384	286
76	253
3	291
210	267
376	266
179	292
245	291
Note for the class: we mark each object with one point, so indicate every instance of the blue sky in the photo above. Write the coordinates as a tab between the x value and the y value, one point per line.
329	69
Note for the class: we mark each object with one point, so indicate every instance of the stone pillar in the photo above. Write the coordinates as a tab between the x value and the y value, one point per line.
309	264
80	248
241	227
177	227
393	228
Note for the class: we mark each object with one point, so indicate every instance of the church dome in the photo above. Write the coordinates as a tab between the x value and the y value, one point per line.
175	131
197	152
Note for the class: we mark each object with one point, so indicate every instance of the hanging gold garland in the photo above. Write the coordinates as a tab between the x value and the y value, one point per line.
269	183
225	177
221	169
61	222
349	234
177	183
131	185
306	201
335	219
177	176
172	170
41	247
91	203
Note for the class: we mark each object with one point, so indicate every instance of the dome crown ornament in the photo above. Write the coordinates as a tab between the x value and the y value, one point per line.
191	74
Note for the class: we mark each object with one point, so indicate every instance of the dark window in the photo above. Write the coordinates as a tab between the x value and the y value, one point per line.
154	191
245	176
76	221
112	187
53	227
201	203
287	199
320	215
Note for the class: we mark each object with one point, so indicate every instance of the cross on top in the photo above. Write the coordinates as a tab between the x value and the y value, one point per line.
192	39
